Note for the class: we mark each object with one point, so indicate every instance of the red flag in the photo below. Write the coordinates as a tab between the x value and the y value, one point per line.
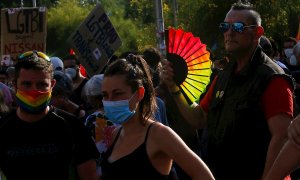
72	52
82	71
298	33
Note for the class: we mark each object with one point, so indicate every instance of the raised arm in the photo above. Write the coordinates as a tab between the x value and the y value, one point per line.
195	116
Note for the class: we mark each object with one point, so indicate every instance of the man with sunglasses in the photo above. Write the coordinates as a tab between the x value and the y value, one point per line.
39	141
248	106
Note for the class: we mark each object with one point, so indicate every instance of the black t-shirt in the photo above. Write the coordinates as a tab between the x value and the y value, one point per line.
44	149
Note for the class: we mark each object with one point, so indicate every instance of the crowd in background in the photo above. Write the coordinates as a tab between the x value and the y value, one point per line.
140	85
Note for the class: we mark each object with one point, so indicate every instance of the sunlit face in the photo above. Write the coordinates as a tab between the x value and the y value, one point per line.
114	88
30	79
236	42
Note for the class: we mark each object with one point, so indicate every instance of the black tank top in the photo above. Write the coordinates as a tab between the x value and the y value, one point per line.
136	165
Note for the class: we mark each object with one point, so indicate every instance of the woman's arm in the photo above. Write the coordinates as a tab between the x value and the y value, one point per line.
175	148
286	161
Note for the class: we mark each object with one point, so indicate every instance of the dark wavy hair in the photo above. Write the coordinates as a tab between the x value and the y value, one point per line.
35	63
137	74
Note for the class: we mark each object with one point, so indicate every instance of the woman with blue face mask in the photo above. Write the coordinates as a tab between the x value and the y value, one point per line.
141	148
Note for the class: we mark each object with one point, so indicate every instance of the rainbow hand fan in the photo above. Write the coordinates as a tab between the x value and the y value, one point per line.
191	63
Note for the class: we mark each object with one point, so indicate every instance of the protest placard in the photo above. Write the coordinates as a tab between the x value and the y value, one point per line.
22	29
95	41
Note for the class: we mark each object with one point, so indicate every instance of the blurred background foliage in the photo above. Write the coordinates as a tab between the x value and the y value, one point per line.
135	20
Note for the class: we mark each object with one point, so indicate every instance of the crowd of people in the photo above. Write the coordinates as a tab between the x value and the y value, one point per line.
133	122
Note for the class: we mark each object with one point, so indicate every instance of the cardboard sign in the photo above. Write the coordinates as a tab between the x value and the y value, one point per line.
95	41
23	29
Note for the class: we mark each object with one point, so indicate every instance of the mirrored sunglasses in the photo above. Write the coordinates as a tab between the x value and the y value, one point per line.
33	55
237	27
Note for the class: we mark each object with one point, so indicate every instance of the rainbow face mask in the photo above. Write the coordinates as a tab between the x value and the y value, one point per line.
33	101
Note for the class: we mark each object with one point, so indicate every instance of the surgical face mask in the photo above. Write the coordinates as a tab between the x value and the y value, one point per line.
33	101
117	112
72	72
288	52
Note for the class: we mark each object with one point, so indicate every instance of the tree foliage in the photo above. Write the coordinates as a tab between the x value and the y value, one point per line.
62	21
135	20
280	18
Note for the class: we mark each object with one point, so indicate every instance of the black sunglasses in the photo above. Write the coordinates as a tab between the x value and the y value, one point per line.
237	26
29	55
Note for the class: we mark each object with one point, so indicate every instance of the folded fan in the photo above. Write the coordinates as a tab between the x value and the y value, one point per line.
191	63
